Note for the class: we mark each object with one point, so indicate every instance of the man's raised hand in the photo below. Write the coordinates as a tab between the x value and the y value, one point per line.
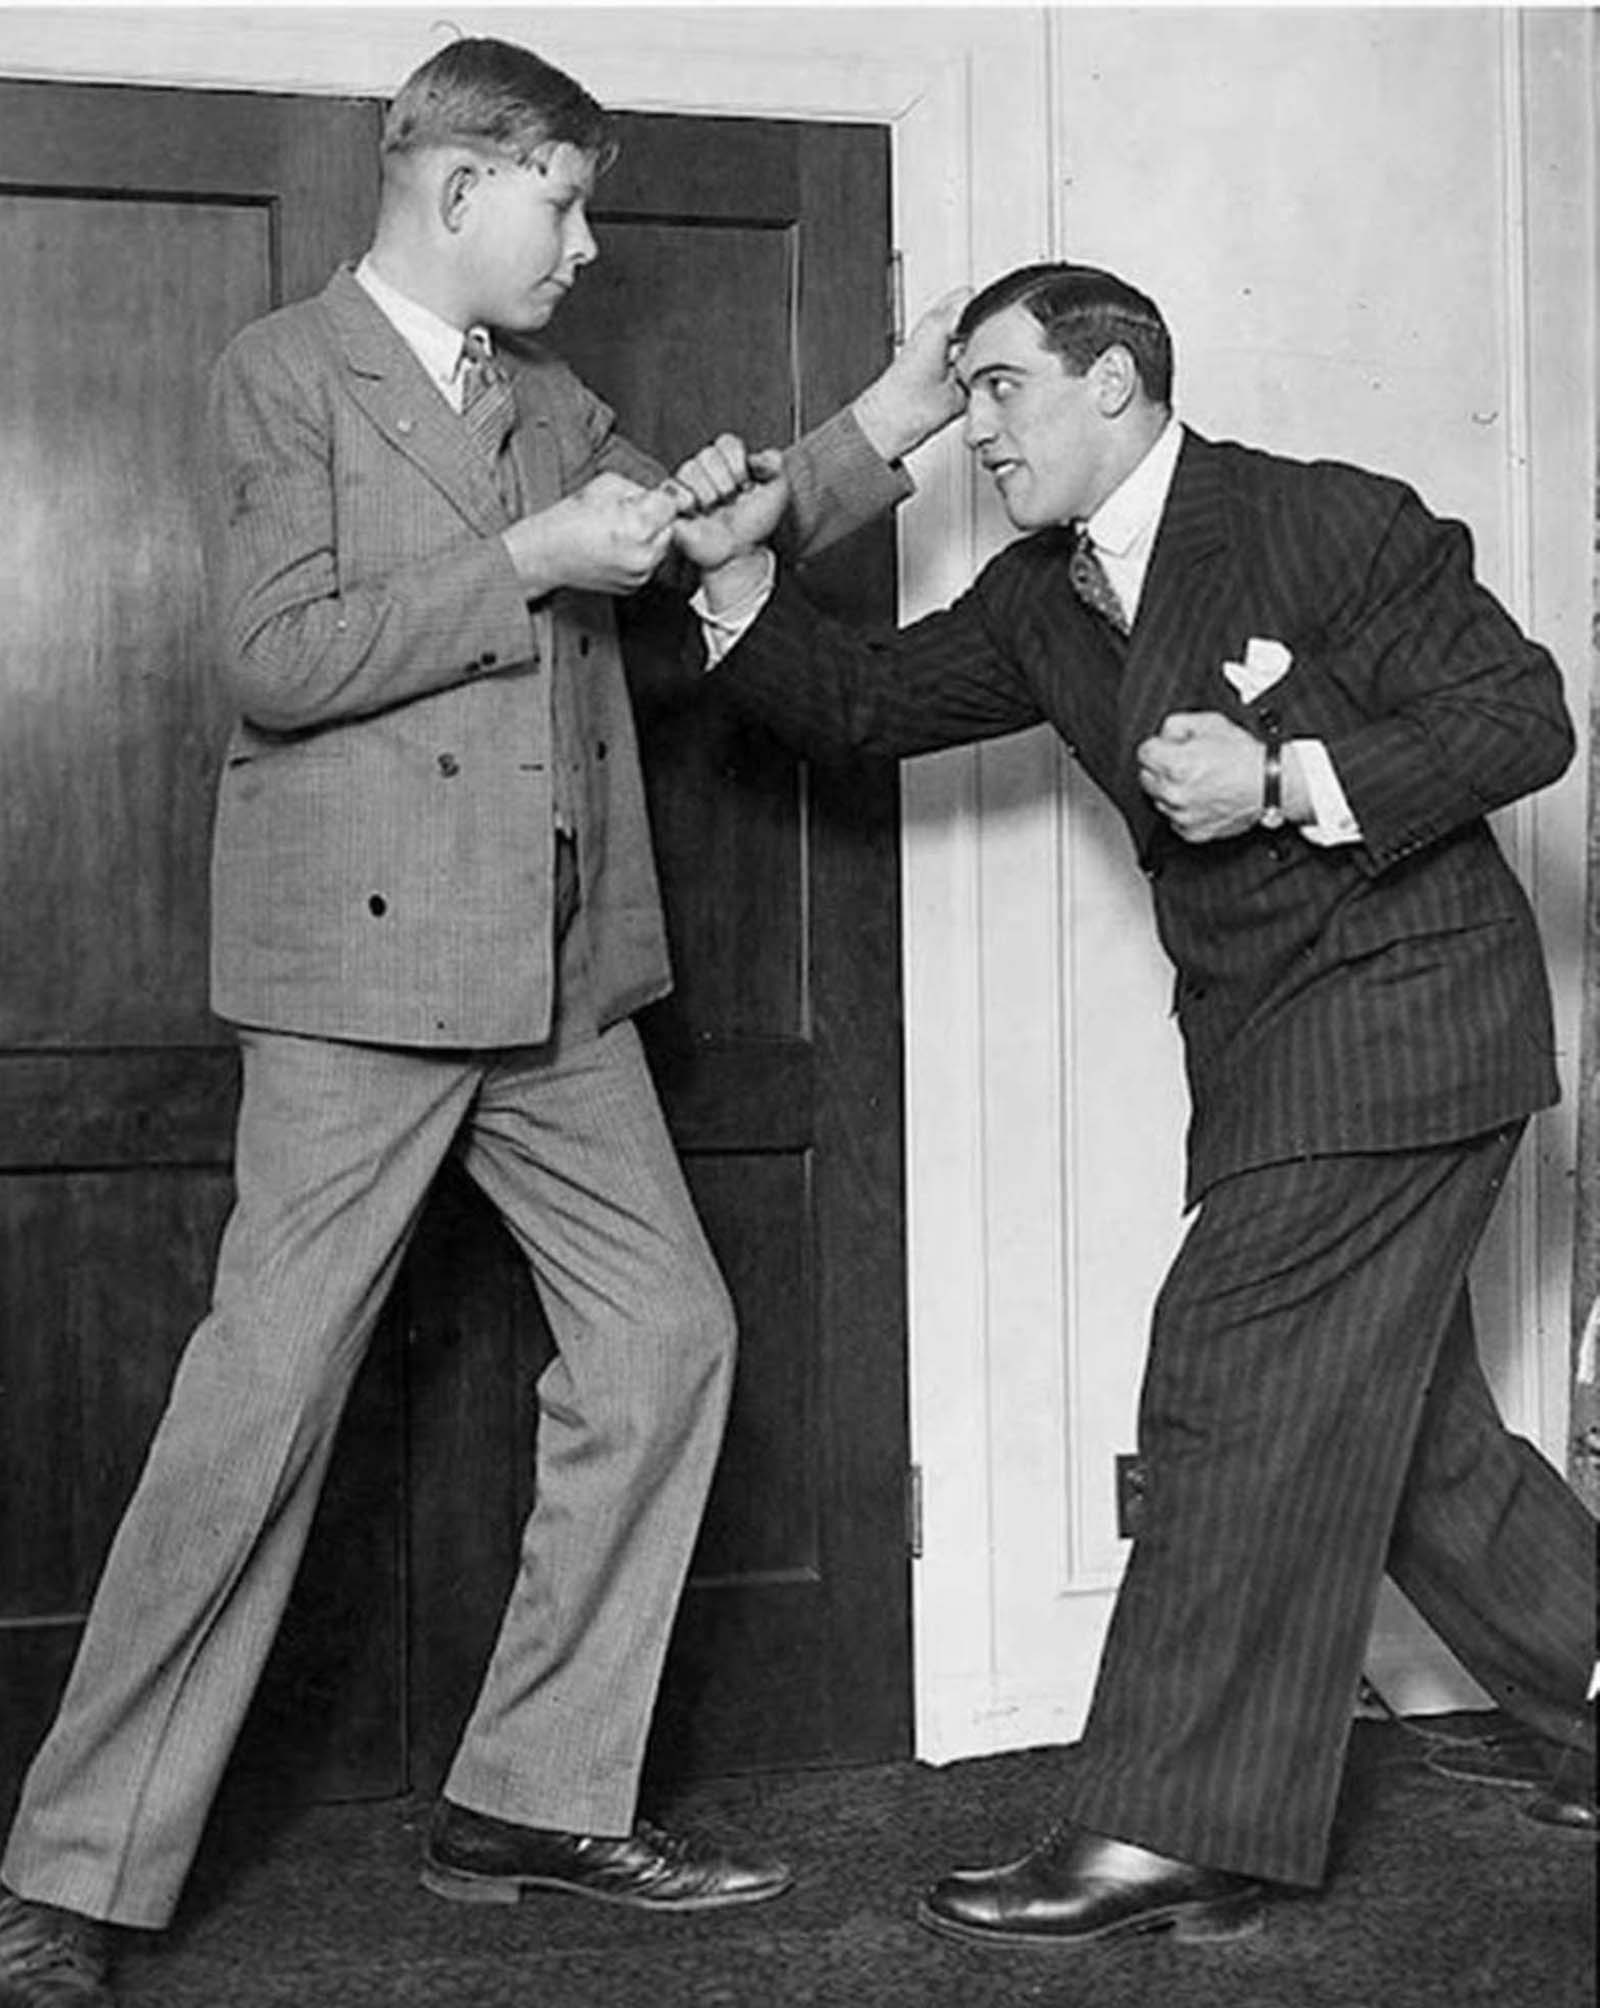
918	394
739	497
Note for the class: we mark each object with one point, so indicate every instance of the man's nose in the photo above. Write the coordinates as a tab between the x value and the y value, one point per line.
977	428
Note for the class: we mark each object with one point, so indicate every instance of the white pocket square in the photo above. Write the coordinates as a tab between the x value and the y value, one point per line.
1265	662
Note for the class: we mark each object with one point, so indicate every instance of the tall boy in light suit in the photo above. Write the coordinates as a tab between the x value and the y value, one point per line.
435	912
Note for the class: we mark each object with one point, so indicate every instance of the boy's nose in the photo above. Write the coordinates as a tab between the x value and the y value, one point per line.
581	247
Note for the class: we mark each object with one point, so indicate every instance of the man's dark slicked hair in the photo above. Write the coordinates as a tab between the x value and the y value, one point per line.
1083	312
497	98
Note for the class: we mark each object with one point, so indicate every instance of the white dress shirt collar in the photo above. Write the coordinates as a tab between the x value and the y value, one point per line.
1123	529
1132	511
439	346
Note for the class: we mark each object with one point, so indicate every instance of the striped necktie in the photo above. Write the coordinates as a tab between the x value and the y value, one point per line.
489	410
1090	582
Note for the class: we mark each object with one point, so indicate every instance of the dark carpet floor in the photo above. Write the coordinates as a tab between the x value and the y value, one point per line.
1440	1894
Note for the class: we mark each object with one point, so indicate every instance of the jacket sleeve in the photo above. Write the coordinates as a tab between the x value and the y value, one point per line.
831	689
1462	713
300	647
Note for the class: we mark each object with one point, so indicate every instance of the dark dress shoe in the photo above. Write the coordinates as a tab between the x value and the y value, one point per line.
472	1858
1076	1888
52	1958
1569	1802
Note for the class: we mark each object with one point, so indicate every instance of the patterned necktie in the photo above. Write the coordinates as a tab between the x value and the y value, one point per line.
489	409
1090	583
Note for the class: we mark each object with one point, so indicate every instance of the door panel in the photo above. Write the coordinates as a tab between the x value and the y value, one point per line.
740	295
761	309
103	708
742	270
138	230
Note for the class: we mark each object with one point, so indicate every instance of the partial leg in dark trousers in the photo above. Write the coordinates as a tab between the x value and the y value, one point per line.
1496	1552
1290	1361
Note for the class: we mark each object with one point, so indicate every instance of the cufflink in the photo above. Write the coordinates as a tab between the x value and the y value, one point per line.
1271	817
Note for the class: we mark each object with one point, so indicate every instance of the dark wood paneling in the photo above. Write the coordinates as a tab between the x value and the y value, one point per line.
706	170
310	163
719	1094
113	729
1583	1460
736	278
761	1519
781	889
711	354
138	230
166	1106
34	1659
854	958
328	1721
476	1344
101	1277
778	1060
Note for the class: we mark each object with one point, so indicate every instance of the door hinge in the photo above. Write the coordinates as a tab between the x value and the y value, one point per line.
897	298
914	1511
1131	1481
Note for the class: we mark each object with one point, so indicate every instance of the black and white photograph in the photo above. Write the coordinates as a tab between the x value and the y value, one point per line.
799	1006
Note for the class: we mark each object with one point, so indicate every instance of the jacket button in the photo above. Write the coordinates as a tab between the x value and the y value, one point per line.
449	765
600	750
488	659
377	906
583	644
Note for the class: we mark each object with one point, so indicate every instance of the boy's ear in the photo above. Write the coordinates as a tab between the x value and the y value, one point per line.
455	192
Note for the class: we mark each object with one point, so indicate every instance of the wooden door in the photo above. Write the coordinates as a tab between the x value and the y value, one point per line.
741	285
138	230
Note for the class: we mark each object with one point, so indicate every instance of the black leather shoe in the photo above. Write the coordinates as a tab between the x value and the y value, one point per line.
52	1958
472	1858
1076	1888
1569	1801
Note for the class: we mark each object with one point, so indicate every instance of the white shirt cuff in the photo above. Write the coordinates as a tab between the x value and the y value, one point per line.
1332	821
724	628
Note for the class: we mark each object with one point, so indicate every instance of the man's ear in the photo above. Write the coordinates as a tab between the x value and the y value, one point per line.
456	188
1116	380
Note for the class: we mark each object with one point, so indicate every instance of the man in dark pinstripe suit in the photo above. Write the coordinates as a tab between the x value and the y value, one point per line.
1288	679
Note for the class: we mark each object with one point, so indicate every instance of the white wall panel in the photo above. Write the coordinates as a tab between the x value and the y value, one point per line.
1372	233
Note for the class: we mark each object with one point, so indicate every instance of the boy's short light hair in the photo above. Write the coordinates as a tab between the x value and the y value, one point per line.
496	98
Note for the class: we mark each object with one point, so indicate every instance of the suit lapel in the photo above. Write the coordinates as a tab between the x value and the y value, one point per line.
1191	598
385	379
534	445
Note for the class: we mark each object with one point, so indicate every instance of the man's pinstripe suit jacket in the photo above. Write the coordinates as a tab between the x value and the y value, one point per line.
1385	995
382	860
